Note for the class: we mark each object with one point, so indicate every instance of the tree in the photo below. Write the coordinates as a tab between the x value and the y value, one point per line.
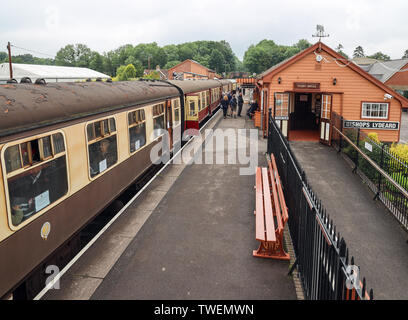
302	44
405	56
171	64
153	75
125	73
267	53
380	56
358	52
339	50
217	61
3	56
96	62
78	55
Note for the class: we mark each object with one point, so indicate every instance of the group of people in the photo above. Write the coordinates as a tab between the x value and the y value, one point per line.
230	102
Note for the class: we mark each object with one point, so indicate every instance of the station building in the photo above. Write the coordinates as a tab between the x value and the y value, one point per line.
305	90
190	69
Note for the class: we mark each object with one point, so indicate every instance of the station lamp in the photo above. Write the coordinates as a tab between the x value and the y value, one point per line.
279	80
334	81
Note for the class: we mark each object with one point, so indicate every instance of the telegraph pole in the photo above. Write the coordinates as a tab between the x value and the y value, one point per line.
10	63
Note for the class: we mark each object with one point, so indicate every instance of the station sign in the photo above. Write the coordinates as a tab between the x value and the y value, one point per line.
281	118
306	85
378	125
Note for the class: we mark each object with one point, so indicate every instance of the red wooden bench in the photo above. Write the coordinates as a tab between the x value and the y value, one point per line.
271	213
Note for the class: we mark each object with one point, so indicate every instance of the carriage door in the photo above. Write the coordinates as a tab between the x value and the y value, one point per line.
325	119
169	119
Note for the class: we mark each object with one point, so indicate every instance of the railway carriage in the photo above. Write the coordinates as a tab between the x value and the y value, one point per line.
67	150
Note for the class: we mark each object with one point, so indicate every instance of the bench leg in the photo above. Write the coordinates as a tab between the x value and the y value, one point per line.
272	250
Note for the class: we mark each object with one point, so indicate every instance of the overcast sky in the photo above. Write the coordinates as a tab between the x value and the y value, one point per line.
46	26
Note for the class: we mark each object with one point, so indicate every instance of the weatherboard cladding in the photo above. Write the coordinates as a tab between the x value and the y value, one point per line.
351	89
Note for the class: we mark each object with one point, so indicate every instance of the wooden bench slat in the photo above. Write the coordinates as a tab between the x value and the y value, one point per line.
282	201
269	223
259	218
277	211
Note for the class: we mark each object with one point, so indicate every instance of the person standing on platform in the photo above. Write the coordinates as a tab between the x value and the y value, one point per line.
229	101
240	103
233	105
224	105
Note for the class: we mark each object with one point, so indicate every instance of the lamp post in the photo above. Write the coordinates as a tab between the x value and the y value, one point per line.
10	63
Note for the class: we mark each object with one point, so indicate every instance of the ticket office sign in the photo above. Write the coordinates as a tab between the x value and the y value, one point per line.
378	125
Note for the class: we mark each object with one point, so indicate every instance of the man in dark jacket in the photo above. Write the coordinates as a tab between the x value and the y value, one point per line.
224	105
240	103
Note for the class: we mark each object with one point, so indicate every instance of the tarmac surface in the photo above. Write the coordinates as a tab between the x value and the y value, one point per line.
372	234
198	242
404	128
189	235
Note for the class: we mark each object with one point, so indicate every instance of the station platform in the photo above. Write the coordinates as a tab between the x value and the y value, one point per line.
373	235
189	235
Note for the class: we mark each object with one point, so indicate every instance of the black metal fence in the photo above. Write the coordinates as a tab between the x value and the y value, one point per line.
322	255
388	193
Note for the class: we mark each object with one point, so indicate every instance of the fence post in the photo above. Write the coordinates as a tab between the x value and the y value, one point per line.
379	174
357	144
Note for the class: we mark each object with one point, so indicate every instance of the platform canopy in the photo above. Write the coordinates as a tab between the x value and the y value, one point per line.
49	73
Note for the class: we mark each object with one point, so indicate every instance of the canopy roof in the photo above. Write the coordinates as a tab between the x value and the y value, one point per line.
48	72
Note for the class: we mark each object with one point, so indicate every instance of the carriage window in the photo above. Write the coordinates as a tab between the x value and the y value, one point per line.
43	180
102	151
208	98
12	158
158	119
192	109
137	129
177	116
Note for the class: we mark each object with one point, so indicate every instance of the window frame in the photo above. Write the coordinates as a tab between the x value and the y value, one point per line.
16	172
156	116
134	125
96	139
175	104
375	117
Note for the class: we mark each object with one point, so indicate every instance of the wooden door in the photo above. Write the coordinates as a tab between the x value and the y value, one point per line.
325	115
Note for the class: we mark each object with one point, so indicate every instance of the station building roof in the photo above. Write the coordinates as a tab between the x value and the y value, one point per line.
291	60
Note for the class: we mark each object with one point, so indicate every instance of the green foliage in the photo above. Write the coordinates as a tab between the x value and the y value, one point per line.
405	56
266	54
125	73
3	56
401	150
380	56
217	61
78	55
340	51
358	52
302	44
171	64
153	75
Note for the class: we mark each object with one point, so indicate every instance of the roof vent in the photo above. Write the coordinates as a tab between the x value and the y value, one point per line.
25	80
12	81
40	81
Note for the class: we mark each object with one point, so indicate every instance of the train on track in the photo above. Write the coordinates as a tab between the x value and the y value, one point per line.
67	150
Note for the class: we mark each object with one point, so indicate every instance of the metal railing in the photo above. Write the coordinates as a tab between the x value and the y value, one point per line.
322	255
384	172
